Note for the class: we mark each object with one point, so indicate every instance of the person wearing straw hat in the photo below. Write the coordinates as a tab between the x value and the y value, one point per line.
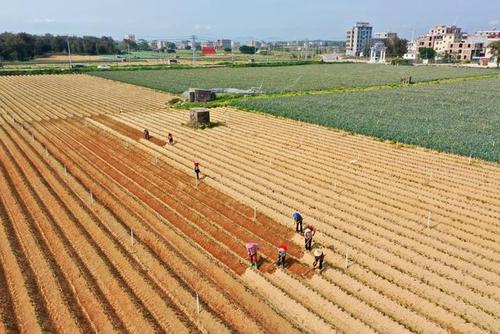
252	249
308	236
319	256
282	256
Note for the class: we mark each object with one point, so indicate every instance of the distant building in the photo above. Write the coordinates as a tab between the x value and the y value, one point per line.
386	35
130	37
411	53
464	50
224	44
438	36
359	38
208	48
253	43
181	45
330	57
154	45
235	45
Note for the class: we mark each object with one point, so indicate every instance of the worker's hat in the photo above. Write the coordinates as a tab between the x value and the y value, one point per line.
318	252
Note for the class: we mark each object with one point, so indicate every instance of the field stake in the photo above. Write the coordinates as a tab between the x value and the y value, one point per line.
132	236
197	303
254	213
65	171
32	137
91	197
347	258
470	159
46	151
429	220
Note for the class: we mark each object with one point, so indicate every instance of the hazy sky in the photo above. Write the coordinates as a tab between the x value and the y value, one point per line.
271	19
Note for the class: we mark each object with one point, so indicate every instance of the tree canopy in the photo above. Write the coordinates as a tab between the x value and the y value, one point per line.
23	46
427	53
396	47
495	51
247	49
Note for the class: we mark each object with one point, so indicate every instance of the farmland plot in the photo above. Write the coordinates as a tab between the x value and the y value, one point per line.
461	118
287	78
128	239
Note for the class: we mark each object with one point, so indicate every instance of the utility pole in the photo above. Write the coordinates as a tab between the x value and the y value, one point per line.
193	48
306	49
69	53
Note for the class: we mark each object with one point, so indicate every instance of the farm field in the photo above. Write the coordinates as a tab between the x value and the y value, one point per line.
461	118
421	228
287	78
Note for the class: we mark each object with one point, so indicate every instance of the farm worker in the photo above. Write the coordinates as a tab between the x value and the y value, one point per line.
146	134
282	256
298	222
170	138
319	256
308	236
252	249
197	170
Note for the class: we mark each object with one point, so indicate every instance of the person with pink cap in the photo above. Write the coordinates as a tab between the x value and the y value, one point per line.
252	249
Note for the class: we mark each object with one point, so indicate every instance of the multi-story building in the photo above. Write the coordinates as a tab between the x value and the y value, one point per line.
491	38
442	45
359	38
224	44
439	36
465	50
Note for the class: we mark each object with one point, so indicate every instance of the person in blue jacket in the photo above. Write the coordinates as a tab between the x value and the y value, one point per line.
298	222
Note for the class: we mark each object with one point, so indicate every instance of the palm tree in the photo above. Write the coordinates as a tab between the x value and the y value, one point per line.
495	51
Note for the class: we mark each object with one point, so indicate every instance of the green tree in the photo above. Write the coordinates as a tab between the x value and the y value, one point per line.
396	47
247	49
427	53
495	51
142	45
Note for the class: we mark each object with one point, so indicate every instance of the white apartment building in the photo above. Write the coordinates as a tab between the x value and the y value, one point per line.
359	38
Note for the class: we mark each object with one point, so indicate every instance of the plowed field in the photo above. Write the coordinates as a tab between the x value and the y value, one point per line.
103	231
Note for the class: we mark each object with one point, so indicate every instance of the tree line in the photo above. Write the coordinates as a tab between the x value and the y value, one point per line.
24	46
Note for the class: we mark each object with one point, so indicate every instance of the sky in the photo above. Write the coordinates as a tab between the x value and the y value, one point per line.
241	20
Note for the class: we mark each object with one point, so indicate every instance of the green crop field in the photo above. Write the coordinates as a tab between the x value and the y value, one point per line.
287	78
461	118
